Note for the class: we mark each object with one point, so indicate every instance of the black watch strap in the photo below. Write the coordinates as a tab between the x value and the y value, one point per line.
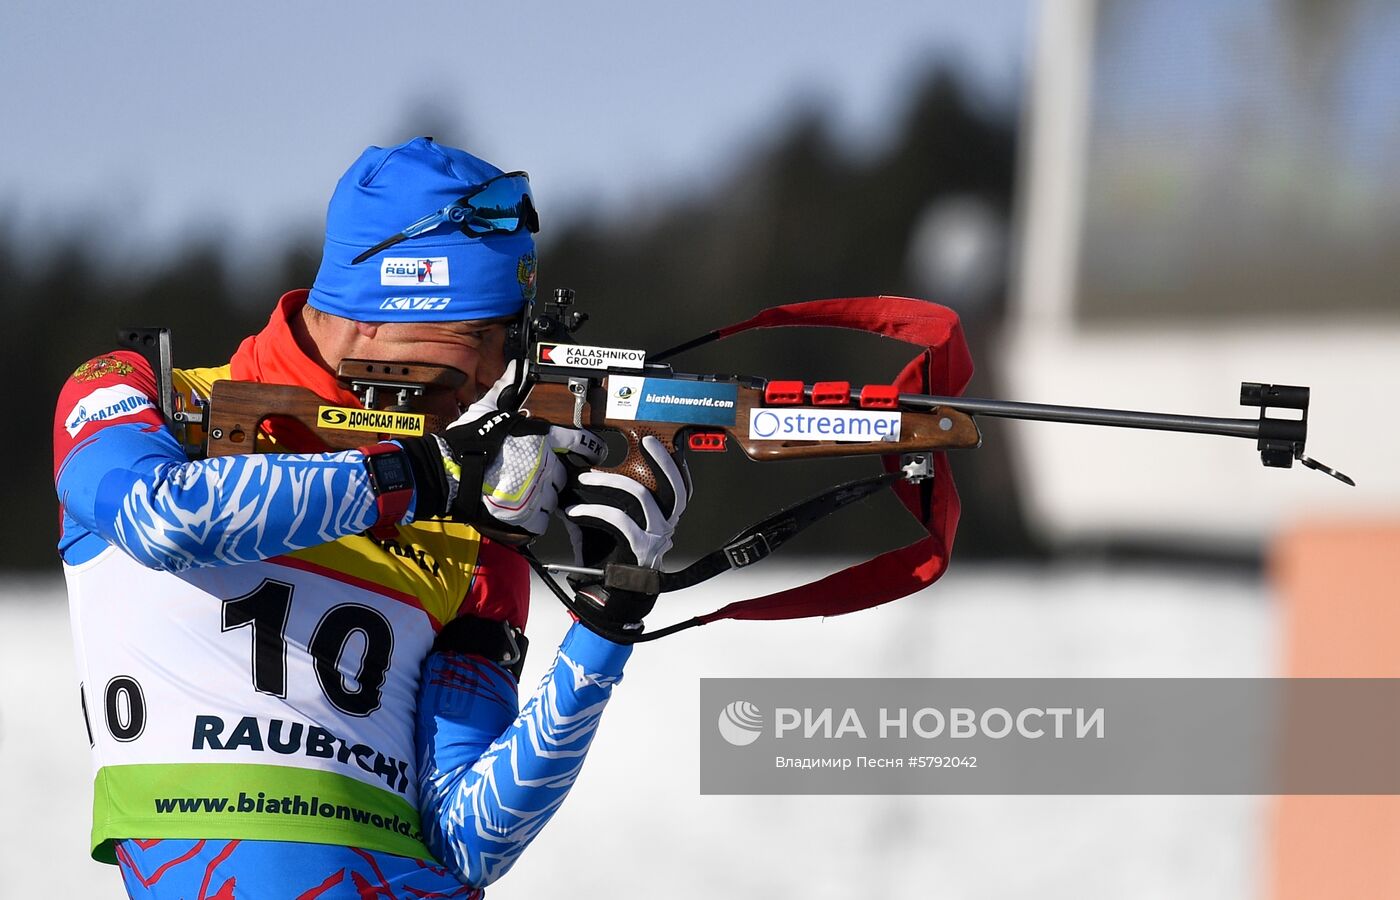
391	479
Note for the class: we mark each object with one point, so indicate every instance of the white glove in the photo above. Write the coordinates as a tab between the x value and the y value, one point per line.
637	518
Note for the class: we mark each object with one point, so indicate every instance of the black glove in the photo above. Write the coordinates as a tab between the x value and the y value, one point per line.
497	467
611	518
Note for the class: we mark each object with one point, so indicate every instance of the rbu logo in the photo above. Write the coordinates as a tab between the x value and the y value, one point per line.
415	303
414	271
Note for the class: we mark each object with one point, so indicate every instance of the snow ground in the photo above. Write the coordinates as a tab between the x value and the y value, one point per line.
636	825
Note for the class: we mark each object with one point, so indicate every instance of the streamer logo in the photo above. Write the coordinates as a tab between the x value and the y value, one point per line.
740	723
790	424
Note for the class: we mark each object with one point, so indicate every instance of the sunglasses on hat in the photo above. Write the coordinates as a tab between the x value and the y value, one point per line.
501	205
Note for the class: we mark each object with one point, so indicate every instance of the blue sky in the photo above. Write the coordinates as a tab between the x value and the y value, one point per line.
151	122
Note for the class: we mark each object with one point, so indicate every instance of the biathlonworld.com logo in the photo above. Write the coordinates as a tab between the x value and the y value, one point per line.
740	723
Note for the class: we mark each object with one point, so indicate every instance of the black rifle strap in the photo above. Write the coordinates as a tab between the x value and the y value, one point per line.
759	540
588	615
754	543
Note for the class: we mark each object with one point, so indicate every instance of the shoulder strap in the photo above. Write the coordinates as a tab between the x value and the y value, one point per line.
942	367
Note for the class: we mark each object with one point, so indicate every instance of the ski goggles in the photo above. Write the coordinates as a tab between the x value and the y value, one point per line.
501	205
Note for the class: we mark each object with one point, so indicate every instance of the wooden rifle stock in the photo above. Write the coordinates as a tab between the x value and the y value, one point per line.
942	428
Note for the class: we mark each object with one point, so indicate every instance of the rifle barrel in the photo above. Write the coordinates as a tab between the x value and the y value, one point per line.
1086	415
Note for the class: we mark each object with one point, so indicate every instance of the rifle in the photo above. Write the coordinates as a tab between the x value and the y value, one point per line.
636	394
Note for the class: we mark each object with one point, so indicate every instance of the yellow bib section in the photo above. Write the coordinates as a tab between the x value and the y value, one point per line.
427	564
192	383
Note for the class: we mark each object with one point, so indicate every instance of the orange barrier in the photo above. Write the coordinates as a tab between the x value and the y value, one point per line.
1340	589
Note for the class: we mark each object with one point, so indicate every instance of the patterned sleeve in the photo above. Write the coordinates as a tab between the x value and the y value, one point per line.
489	778
124	480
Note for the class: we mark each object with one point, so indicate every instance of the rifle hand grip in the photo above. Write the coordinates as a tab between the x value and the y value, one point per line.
553	402
634	465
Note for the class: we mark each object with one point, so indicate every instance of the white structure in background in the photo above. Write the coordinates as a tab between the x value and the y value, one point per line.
956	251
1205	201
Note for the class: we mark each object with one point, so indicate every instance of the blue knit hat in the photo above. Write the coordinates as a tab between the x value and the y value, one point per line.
444	275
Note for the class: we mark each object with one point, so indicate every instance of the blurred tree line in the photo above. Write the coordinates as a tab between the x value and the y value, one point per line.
800	219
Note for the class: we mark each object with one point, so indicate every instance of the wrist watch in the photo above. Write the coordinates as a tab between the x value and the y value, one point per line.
391	479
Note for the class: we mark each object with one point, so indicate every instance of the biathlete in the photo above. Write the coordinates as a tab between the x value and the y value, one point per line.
299	668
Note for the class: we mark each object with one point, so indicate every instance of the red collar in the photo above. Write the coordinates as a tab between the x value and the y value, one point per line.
272	356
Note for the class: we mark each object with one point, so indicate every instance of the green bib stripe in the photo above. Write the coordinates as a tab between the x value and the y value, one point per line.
256	802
